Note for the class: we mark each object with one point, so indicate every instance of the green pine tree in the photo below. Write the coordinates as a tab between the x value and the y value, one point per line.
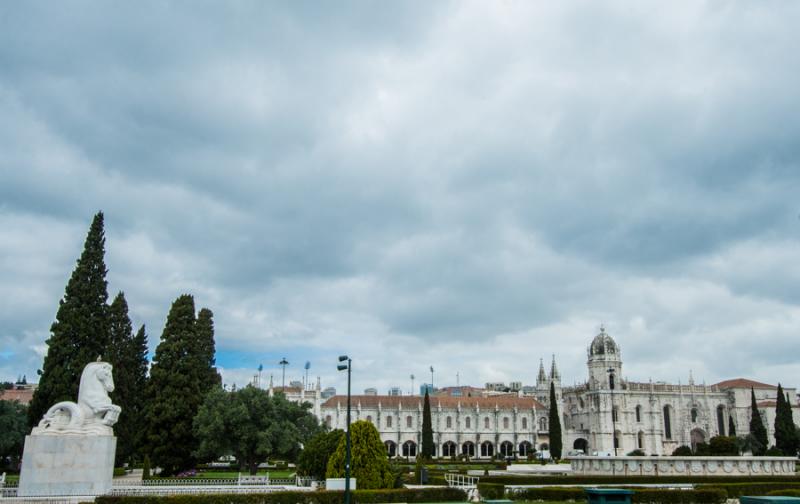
370	466
555	425
176	389
128	354
80	332
757	428
785	430
731	426
428	448
206	350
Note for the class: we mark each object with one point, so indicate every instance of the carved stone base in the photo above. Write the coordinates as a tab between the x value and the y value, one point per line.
67	465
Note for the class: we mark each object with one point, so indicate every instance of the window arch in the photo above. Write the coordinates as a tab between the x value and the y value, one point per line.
449	422
389	421
615	413
543	424
391	448
640	440
467	422
525	448
409	421
449	449
487	449
486	422
409	449
694	415
505	422
638	413
506	449
468	449
721	419
524	422
667	423
611	381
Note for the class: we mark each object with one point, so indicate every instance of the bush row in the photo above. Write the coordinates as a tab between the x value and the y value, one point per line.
324	497
736	490
556	480
641	495
785	493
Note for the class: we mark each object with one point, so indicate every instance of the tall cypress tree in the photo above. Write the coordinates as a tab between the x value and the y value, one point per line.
785	431
757	429
128	355
428	449
80	332
731	426
179	381
555	425
206	350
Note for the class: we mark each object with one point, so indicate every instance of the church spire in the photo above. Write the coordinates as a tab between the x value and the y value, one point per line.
542	378
554	374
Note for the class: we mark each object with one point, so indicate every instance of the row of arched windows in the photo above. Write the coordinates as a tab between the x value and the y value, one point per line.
450	449
449	422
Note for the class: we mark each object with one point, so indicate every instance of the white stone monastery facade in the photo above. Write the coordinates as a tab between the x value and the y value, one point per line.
606	414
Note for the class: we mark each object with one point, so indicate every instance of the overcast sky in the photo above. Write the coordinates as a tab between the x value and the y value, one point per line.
472	186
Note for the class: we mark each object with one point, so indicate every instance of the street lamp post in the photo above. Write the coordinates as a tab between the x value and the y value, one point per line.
283	363
348	367
431	380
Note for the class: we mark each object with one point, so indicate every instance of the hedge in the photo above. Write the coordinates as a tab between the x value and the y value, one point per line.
557	480
735	490
322	497
641	495
785	493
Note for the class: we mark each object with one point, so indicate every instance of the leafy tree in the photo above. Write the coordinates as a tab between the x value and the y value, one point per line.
128	354
174	391
252	426
313	461
757	428
369	463
785	430
682	451
555	425
749	443
80	332
723	445
428	448
13	428
637	453
731	426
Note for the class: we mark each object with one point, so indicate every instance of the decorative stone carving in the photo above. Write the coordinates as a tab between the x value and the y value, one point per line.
673	466
94	414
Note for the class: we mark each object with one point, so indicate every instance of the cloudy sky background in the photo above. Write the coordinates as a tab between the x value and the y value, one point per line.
472	186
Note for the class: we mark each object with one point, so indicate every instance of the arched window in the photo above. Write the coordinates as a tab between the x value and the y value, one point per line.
543	424
611	381
328	420
449	423
694	415
524	422
506	449
638	413
409	421
467	422
667	423
721	420
505	422
449	449
615	414
524	448
389	421
369	418
486	423
391	448
487	449
468	449
409	449
640	440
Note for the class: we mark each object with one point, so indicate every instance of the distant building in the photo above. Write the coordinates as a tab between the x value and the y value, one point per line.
370	391
395	391
22	392
426	387
328	392
460	391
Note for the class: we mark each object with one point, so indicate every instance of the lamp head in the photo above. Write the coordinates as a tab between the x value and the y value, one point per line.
341	367
342	358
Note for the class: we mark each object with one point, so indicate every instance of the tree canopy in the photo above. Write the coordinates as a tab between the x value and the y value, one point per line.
13	428
369	463
313	460
757	429
785	430
80	332
252	426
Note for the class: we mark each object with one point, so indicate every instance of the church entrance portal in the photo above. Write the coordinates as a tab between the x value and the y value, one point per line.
581	444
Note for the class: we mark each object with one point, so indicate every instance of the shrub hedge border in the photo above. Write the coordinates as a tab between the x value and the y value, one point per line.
596	480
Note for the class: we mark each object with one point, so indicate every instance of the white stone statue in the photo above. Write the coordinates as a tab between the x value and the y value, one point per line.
94	414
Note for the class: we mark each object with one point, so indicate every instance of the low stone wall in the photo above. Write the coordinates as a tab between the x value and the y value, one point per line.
683	466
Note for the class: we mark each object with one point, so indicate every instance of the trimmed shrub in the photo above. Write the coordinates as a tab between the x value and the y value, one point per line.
682	451
546	494
491	490
705	496
736	490
784	493
622	480
359	497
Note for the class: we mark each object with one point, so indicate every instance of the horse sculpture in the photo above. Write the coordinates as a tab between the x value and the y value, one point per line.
93	414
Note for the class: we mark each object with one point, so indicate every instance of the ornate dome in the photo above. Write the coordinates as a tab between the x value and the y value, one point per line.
603	344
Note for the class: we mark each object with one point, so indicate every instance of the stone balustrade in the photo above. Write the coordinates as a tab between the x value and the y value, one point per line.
683	466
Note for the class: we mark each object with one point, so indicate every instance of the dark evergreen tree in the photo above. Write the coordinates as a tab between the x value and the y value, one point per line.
757	428
128	354
785	430
428	448
174	394
80	332
206	349
555	425
731	426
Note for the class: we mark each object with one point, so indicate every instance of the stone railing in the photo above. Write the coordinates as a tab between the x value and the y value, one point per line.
683	466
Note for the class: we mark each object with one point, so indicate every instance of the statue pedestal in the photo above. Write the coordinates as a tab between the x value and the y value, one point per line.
67	465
